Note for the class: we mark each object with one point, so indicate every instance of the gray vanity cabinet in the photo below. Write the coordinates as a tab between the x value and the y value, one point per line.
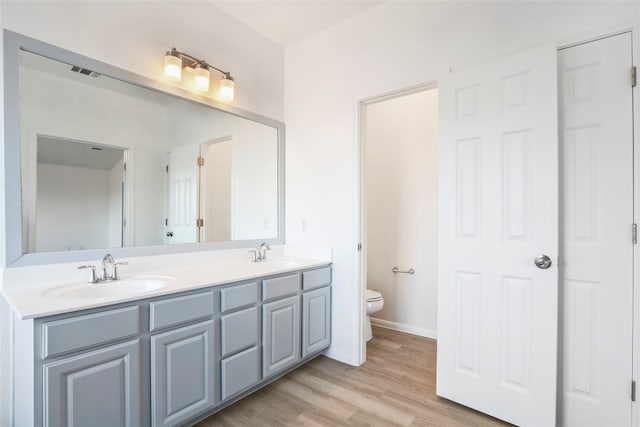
170	360
316	310
183	377
239	339
316	320
91	368
281	334
97	388
182	373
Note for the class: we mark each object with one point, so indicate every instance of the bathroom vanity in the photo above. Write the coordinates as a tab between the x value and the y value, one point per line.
169	356
194	325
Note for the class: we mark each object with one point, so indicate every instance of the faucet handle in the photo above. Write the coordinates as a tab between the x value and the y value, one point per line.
254	255
263	251
114	274
92	277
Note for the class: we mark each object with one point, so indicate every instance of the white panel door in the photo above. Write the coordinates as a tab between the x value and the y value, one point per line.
498	197
183	195
596	139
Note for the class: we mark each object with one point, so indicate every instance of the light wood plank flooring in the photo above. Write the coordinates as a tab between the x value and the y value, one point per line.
395	387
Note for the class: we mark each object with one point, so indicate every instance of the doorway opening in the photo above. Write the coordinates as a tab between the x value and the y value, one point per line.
82	184
399	211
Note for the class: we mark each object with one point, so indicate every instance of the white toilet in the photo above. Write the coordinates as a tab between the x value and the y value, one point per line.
374	305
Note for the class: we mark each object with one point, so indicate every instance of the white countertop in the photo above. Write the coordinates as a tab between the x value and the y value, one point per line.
31	300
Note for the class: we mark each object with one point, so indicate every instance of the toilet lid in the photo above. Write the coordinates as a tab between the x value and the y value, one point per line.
373	295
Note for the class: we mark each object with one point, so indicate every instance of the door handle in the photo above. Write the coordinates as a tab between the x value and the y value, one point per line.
543	262
169	233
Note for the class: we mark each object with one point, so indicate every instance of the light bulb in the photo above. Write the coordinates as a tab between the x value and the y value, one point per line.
227	88
201	78
172	67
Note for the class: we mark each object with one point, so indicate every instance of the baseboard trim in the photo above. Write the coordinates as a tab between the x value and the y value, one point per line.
414	330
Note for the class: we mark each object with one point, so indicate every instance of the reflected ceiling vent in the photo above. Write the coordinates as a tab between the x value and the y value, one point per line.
84	71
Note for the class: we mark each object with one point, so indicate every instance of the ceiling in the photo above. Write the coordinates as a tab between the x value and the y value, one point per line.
80	154
286	22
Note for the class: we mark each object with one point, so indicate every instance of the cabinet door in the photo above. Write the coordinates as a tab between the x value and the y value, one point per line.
280	335
182	373
316	320
98	388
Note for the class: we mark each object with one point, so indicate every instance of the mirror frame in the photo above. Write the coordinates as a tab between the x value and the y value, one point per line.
14	255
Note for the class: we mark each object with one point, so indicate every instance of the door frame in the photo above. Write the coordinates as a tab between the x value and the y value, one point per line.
361	269
635	347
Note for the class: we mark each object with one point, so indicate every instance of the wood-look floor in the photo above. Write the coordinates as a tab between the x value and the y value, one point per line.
395	387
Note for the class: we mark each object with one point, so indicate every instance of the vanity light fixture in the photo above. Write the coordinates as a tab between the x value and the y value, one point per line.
175	61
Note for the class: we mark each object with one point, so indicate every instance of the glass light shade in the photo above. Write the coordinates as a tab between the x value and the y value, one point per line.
227	89
172	67
201	78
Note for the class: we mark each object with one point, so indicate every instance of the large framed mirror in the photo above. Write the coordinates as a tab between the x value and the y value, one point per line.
98	158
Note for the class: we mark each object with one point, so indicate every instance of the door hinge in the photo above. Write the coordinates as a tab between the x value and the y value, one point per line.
166	169
634	76
200	222
633	391
634	233
200	161
125	167
359	247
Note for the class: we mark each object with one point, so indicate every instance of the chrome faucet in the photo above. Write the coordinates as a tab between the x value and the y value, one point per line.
106	262
105	274
260	253
263	251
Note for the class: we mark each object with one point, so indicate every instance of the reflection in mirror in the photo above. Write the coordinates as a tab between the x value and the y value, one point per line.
80	184
108	164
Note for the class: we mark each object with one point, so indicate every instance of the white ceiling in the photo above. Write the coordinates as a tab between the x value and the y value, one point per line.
286	22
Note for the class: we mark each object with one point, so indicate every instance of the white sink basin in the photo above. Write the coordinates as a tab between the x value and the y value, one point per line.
125	287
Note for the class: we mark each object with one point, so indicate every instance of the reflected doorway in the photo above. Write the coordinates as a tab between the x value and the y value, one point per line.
80	196
199	186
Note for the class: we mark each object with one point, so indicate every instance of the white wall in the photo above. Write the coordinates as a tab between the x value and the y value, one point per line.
72	195
254	182
391	46
401	209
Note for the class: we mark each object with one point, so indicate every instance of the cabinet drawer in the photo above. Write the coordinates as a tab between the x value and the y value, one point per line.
240	372
74	333
174	311
238	296
316	278
239	331
280	286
